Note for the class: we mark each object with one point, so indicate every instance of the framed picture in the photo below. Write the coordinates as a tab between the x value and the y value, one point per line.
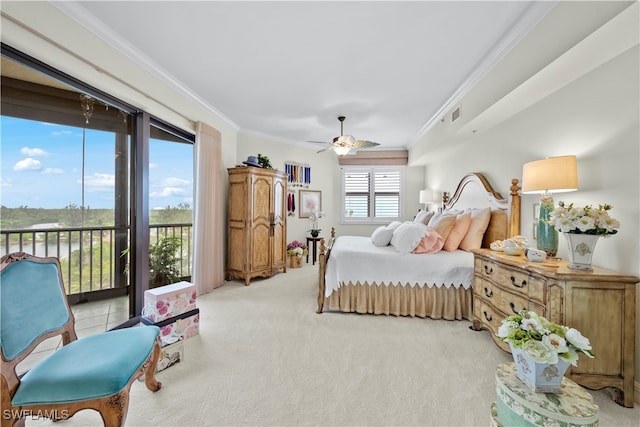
309	201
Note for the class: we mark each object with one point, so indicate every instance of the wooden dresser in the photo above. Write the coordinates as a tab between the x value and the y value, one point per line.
257	223
600	304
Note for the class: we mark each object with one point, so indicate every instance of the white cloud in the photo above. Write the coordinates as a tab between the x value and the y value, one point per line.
100	182
174	182
168	192
6	182
61	133
52	171
153	165
27	164
33	152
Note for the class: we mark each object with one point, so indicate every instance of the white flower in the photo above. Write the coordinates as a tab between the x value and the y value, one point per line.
507	328
556	342
570	356
540	352
585	223
575	337
587	220
531	324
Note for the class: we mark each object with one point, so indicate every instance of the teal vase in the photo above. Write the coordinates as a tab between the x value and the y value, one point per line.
547	236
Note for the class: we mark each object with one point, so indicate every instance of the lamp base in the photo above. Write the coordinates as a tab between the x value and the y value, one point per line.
547	239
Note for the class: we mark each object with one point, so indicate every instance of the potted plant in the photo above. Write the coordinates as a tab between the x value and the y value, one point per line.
314	217
582	226
542	350
296	250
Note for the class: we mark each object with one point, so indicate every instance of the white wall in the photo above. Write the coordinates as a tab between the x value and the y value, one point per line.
595	116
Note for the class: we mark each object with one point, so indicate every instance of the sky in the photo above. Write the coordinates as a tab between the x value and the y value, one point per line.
42	167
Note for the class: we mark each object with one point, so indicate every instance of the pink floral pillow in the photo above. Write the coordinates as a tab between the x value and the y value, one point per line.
431	243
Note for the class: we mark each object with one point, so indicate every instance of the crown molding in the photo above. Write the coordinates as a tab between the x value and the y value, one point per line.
87	20
530	18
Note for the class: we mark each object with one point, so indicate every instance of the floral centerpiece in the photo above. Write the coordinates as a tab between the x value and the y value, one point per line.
584	220
297	248
544	341
582	227
542	350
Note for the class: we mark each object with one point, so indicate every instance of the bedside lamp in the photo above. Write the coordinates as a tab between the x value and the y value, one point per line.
546	176
429	196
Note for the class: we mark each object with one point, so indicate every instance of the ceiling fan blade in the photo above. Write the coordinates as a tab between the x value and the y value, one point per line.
319	142
364	144
325	149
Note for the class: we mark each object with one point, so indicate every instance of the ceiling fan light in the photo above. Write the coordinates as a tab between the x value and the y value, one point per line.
342	151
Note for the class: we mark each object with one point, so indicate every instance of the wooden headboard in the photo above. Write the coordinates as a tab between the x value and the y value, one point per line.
474	191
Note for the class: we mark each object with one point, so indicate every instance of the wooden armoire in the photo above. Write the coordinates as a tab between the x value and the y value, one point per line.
257	224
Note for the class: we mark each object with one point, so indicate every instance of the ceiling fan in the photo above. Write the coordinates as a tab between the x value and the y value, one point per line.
343	144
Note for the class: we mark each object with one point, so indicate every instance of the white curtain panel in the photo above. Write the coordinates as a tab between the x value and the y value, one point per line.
208	261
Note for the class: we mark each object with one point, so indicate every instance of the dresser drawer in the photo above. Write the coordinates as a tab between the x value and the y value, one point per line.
506	302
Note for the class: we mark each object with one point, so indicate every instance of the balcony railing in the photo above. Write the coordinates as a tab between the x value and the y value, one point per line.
88	255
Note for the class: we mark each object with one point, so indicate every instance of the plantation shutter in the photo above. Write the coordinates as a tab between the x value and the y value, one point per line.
371	194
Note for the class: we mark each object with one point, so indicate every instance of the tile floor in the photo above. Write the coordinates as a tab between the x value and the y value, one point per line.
91	318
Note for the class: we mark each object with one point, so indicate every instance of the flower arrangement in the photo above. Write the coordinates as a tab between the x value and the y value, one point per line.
314	217
296	248
586	220
543	341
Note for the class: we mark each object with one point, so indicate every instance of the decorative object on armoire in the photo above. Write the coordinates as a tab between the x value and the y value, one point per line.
517	405
542	350
309	201
264	161
546	176
257	223
252	161
582	226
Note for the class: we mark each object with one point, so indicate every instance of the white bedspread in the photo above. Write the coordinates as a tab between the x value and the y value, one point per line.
355	259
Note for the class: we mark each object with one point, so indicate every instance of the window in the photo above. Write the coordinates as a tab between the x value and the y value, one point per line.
371	194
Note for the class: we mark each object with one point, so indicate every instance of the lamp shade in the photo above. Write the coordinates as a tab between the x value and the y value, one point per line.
425	196
552	175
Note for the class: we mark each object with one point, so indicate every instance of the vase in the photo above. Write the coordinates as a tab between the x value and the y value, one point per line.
539	377
295	261
581	247
315	233
546	234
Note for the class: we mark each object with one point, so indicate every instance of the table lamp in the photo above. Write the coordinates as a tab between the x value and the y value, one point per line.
547	176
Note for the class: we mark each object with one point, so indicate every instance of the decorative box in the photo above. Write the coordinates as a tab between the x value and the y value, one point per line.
170	355
169	301
518	405
180	327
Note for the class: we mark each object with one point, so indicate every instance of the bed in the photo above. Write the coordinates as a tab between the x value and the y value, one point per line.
356	276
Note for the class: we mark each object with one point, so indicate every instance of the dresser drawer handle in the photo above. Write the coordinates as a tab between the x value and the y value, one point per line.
487	292
488	270
521	285
486	316
513	308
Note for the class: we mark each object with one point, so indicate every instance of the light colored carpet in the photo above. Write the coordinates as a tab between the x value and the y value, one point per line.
265	358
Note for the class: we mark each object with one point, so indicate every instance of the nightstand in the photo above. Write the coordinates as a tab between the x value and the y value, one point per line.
598	303
312	241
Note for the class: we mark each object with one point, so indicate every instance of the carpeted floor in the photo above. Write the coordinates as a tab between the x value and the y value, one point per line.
265	358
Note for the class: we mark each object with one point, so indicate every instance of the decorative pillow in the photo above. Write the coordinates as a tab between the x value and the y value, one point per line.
423	217
479	222
393	225
442	223
458	232
407	236
431	243
381	236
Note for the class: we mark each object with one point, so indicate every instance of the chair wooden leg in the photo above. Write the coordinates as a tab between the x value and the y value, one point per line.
114	409
150	371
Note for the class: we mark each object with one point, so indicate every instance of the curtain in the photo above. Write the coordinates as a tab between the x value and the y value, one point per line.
208	253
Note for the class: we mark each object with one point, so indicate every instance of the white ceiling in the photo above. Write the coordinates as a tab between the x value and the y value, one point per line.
288	69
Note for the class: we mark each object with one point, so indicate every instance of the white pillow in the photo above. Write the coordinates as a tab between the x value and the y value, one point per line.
423	217
381	236
407	236
393	225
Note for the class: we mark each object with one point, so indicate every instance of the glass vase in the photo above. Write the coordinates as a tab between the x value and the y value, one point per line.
547	236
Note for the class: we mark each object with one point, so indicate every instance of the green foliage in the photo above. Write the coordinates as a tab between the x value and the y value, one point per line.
164	267
264	161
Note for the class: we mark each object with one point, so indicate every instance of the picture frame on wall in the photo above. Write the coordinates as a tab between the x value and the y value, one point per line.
309	201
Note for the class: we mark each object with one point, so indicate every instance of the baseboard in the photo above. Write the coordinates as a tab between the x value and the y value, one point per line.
636	392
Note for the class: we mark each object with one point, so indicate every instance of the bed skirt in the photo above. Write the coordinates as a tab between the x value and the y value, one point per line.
452	303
